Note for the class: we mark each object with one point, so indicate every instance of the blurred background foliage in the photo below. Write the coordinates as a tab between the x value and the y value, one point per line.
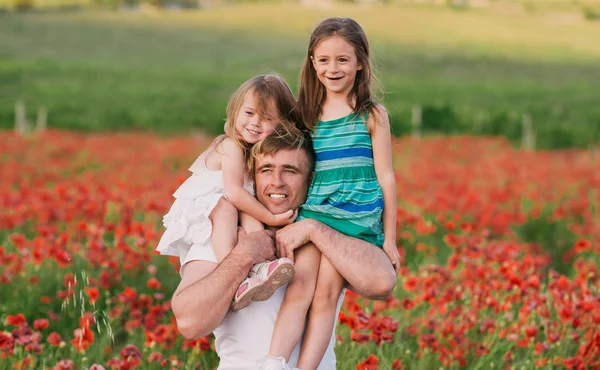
463	66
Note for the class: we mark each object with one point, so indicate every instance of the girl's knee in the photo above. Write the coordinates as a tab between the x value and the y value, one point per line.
301	287
326	297
306	270
223	211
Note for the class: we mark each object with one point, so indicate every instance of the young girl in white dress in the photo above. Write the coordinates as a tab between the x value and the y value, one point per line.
258	107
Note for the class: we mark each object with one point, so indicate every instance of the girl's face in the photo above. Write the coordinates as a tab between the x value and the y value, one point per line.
336	64
252	127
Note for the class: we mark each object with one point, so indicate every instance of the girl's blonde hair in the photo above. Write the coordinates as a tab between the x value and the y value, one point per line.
311	94
267	89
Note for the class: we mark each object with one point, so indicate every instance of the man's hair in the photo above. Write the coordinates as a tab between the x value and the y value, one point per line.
285	137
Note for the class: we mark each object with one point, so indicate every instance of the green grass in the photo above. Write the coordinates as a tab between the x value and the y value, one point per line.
44	4
473	71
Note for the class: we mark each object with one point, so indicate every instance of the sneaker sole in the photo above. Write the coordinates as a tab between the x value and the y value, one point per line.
282	275
246	298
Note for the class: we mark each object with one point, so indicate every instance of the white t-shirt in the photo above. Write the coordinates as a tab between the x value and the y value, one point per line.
244	337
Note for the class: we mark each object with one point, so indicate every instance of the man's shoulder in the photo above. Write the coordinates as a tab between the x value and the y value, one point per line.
202	256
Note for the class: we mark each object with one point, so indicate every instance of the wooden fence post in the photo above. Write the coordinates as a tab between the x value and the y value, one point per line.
41	122
527	133
480	119
21	124
417	119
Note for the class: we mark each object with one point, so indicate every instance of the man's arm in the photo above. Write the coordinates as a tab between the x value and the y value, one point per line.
381	138
204	295
366	268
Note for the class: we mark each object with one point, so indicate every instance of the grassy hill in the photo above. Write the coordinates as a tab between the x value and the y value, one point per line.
472	71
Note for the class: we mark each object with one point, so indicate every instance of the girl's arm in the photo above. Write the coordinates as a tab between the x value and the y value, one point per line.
382	157
232	165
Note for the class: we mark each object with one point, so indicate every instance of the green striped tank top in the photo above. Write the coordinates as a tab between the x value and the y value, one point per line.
344	193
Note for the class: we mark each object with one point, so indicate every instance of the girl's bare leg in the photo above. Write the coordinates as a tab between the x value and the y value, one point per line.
224	219
292	315
321	316
249	223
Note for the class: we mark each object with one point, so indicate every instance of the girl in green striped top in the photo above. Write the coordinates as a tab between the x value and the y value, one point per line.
353	189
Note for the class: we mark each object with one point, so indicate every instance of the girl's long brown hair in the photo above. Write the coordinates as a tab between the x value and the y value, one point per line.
311	94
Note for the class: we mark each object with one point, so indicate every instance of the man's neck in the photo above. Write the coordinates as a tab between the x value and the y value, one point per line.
272	228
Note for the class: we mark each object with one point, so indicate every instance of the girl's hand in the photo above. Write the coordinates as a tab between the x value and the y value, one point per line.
389	247
285	218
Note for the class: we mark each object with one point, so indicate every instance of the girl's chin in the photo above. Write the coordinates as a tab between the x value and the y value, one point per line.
250	140
336	88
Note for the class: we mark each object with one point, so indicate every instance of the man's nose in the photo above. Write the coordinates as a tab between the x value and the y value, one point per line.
277	179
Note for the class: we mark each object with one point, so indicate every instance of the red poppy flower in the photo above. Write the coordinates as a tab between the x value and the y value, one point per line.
93	293
153	283
155	357
16	320
371	363
40	324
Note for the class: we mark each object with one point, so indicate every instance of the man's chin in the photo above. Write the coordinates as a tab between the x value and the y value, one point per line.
277	208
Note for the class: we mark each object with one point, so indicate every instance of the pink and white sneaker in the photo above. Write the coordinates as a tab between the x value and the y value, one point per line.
246	293
273	275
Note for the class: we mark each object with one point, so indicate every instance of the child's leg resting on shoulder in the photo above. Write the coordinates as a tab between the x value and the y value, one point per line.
249	223
321	316
224	219
298	295
224	227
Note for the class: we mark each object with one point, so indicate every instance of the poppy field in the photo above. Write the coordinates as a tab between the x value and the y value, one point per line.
500	250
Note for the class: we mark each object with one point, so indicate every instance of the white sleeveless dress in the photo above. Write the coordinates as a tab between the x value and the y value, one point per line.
187	221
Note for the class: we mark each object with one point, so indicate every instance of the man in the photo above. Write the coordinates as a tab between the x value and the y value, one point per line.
282	171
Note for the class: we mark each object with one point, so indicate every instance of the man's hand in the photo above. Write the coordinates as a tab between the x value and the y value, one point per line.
204	295
389	247
257	246
293	236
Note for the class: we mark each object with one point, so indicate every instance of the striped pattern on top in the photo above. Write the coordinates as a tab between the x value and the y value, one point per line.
344	193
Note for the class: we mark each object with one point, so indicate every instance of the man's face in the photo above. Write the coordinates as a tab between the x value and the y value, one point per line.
282	180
